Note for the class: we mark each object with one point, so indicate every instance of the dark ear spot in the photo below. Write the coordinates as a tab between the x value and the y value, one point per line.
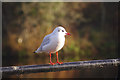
58	30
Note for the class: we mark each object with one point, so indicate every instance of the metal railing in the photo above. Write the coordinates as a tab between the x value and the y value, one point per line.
11	70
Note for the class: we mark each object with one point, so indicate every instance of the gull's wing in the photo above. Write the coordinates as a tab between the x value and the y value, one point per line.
45	41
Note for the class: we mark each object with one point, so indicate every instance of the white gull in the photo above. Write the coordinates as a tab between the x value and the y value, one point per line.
53	42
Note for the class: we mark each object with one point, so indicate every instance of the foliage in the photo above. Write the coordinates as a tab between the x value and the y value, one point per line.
92	25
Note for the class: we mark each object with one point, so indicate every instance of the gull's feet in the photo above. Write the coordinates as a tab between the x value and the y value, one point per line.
51	63
59	62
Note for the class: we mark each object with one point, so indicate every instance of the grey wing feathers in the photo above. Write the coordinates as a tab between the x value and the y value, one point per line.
45	41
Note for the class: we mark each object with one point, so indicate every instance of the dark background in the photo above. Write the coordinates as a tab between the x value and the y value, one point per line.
94	29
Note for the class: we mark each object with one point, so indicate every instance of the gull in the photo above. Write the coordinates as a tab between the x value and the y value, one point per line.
53	42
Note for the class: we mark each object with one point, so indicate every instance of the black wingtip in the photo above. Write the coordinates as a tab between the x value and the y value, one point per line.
34	52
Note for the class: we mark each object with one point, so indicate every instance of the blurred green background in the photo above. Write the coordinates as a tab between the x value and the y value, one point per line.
93	27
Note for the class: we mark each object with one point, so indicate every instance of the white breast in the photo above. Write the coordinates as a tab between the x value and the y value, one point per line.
60	43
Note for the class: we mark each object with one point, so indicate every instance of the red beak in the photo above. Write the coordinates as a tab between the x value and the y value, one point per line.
68	34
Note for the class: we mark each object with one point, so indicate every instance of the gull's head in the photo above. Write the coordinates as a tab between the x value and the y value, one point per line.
60	31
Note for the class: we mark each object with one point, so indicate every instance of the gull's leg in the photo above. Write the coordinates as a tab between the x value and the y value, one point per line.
57	59
51	61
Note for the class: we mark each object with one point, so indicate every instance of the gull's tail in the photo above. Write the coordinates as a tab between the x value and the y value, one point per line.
37	51
34	52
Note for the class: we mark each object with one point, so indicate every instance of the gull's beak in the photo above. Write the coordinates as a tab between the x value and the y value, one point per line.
67	33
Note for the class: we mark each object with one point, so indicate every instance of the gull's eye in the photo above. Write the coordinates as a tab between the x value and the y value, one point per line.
62	30
58	30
